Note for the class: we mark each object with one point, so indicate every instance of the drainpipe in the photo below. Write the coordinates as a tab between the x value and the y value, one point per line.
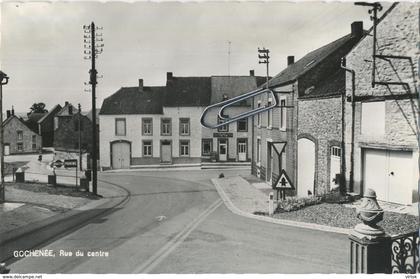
353	88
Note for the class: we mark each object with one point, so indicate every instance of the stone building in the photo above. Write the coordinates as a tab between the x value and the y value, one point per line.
381	122
19	138
46	126
303	136
68	125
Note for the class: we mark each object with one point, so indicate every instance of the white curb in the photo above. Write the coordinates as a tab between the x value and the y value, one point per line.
237	211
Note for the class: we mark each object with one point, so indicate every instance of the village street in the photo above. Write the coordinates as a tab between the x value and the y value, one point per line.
175	222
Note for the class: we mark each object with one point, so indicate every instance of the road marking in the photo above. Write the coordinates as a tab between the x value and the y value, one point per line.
171	245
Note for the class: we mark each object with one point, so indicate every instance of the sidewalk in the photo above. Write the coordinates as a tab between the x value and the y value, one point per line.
33	216
246	199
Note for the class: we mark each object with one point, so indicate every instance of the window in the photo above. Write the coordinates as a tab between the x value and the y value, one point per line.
147	148
20	146
166	128
258	151
242	145
20	135
147	124
283	114
206	147
33	141
120	127
269	114
243	125
373	118
223	128
336	151
184	126
55	123
184	149
259	115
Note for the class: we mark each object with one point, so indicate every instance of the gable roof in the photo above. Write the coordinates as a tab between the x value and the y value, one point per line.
130	100
33	119
64	110
231	86
55	109
187	92
5	122
309	61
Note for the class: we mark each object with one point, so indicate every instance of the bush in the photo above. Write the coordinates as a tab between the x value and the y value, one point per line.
294	203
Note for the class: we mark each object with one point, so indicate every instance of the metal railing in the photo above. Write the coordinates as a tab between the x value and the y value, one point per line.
405	253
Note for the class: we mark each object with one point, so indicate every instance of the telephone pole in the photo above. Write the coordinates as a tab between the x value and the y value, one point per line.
264	59
91	38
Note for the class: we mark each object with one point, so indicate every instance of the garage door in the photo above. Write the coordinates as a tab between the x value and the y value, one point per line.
390	174
306	167
120	155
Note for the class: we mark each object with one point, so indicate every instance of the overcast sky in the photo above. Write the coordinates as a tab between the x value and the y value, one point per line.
42	44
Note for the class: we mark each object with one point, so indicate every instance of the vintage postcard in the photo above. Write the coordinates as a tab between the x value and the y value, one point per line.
209	138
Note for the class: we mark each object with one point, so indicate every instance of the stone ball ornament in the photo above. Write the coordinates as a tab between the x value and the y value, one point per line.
370	213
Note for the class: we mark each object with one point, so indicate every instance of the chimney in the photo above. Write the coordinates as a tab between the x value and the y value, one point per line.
357	29
140	84
251	73
13	110
169	75
70	110
66	103
8	113
290	60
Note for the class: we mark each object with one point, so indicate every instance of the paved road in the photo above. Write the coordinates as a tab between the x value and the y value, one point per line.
175	222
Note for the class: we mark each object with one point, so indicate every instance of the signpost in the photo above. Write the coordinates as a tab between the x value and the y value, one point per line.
71	163
283	183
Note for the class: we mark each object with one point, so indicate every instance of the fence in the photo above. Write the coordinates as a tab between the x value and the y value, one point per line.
373	251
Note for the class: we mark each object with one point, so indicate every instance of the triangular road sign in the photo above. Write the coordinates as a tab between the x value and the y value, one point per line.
283	182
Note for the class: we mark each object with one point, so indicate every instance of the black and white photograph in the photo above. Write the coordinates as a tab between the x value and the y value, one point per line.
211	137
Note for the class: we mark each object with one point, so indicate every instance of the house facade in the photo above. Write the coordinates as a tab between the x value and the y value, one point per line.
162	124
381	113
19	138
46	126
303	135
69	126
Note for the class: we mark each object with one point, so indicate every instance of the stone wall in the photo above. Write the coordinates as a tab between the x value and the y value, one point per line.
321	119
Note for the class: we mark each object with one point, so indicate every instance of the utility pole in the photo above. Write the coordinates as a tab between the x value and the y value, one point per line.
264	59
80	137
93	50
375	7
4	79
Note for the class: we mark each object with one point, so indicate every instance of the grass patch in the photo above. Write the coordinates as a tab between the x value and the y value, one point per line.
53	190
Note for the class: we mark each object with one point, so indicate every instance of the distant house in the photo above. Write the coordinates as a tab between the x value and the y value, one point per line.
382	121
68	126
303	136
32	120
46	126
19	138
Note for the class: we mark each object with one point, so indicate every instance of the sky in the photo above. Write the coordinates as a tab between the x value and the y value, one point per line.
41	47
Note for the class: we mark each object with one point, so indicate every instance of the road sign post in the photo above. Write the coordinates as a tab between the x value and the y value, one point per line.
283	183
72	163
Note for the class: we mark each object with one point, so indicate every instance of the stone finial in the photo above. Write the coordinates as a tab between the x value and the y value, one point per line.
370	213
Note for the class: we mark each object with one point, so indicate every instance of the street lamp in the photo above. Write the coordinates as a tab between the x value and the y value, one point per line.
4	79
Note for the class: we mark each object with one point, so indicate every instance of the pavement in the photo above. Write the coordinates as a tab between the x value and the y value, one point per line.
175	222
30	218
244	199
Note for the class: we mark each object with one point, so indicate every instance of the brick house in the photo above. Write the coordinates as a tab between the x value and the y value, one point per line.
46	126
68	124
160	125
303	134
381	122
19	138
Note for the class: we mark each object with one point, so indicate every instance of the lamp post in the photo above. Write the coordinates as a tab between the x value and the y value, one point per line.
4	79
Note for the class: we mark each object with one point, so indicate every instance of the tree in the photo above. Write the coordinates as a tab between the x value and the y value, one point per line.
38	108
